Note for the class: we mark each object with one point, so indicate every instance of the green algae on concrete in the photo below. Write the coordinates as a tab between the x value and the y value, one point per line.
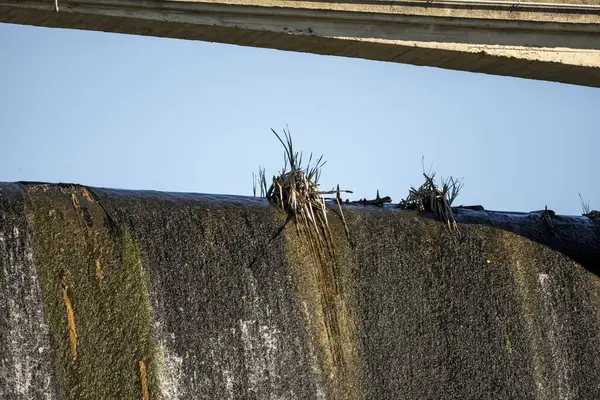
481	314
434	314
212	298
328	316
224	311
106	288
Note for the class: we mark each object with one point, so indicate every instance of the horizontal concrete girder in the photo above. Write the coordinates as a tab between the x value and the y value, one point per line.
553	42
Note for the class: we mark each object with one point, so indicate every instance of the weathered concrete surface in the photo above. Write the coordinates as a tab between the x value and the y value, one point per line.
553	43
192	296
26	354
488	314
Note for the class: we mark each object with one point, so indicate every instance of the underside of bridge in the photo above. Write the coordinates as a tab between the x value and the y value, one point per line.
557	42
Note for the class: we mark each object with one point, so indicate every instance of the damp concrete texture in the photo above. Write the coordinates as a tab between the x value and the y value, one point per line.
110	294
554	41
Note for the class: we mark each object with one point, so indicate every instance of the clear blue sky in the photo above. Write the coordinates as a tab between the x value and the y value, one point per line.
149	113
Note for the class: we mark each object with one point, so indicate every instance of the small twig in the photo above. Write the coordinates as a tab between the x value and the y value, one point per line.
337	191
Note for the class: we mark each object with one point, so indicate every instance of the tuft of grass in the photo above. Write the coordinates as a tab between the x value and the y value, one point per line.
451	188
585	207
430	197
296	190
295	181
259	180
587	211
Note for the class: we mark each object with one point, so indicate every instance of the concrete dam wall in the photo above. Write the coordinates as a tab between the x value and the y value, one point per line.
114	294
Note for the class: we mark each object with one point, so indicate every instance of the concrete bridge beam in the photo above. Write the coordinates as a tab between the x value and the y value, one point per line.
548	41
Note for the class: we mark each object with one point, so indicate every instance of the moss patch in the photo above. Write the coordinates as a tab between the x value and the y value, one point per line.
101	334
328	307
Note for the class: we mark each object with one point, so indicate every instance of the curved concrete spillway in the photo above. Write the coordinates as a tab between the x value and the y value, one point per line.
110	294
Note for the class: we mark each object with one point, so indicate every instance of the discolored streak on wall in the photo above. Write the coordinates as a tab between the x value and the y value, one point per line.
177	296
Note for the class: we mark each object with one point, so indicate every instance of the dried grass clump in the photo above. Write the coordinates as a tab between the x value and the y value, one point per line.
431	198
587	211
296	189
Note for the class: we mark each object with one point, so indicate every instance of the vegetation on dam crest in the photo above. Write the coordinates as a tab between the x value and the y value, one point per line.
110	294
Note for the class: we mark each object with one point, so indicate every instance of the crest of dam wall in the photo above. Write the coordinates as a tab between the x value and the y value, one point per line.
116	294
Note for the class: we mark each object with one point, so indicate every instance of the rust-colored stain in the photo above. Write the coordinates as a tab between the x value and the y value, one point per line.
86	194
70	315
145	395
99	270
75	200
